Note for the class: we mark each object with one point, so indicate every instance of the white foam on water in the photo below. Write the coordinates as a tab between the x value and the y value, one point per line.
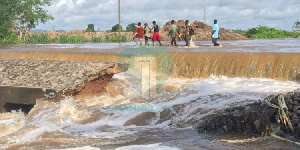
80	148
156	146
193	45
241	141
35	133
238	88
11	122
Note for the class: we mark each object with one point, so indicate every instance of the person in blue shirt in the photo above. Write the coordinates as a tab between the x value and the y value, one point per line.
216	33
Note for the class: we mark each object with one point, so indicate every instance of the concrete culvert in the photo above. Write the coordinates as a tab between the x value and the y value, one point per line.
22	107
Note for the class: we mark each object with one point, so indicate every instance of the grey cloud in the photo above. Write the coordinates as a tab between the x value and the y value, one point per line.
232	14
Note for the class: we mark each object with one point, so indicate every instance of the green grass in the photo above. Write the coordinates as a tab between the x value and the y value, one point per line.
72	40
80	40
97	40
7	36
10	39
116	39
45	39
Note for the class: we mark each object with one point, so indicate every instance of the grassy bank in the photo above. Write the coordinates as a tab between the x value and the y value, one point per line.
264	32
45	39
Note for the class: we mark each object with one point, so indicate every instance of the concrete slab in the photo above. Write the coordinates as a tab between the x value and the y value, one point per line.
24	81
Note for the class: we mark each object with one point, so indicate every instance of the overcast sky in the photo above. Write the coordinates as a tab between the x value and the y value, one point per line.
231	14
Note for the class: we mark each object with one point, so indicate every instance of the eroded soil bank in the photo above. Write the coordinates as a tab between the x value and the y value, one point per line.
260	118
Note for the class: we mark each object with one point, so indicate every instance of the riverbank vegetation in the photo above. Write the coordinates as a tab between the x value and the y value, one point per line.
19	16
264	32
45	39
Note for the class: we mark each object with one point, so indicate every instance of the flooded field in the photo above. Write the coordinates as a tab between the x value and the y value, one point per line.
160	100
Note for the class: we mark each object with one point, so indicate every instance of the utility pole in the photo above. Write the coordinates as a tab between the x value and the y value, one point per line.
119	22
204	16
53	28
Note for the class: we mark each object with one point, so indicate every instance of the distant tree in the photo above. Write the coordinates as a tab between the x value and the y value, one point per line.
115	28
23	15
29	13
296	26
131	27
90	28
251	32
7	13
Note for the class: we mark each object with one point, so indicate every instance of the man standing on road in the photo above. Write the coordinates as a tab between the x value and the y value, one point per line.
216	33
140	33
156	36
147	32
187	33
173	32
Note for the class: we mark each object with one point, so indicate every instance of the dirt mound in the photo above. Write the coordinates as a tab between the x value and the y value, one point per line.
203	32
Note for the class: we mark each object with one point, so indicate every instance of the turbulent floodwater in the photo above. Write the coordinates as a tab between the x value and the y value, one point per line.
95	122
126	117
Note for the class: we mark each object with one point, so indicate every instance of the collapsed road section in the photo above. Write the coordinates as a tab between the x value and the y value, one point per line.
24	81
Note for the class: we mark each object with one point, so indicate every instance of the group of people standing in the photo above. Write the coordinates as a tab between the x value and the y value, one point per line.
145	32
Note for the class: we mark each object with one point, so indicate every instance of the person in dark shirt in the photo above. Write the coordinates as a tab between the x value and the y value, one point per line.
187	36
156	36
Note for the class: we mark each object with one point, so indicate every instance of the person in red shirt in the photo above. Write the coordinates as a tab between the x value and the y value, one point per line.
140	33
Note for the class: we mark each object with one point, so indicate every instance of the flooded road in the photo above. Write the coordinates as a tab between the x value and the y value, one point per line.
156	106
246	46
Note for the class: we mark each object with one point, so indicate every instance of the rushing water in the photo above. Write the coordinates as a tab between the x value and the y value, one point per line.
96	122
199	84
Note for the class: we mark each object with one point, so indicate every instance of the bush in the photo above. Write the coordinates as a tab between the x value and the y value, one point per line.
72	40
97	40
264	32
241	32
38	39
8	37
116	39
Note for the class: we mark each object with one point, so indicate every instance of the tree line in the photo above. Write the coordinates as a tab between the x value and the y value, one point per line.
130	28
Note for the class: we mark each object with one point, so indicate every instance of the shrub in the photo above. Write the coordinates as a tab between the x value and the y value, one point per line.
264	32
116	39
72	40
38	39
97	40
8	37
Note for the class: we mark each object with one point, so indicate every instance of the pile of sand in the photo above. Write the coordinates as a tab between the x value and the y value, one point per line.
203	32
